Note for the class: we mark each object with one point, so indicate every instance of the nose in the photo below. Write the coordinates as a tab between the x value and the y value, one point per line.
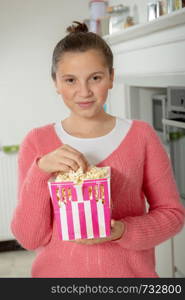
84	90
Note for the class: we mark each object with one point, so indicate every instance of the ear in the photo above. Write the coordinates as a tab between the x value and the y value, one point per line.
56	86
111	79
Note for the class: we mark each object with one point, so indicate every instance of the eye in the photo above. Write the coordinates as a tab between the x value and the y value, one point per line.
70	80
96	78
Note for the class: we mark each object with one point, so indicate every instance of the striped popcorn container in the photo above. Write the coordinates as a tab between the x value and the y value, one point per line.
82	211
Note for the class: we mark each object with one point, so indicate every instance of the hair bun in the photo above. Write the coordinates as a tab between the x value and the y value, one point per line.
80	27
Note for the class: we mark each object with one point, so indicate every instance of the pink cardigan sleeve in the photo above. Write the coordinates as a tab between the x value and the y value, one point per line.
32	219
166	214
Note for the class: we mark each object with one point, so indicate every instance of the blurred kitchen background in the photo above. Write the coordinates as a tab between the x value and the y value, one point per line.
148	42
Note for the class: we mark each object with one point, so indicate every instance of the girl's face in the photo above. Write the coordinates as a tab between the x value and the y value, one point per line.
83	80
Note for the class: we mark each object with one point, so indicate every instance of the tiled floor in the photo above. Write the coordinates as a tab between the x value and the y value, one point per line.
16	263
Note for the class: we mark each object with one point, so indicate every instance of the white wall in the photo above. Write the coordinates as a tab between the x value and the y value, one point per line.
29	31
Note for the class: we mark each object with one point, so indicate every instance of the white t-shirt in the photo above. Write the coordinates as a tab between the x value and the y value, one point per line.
99	148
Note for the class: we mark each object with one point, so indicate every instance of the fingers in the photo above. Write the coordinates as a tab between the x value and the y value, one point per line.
92	241
112	223
71	148
64	158
117	229
111	204
63	168
73	158
67	164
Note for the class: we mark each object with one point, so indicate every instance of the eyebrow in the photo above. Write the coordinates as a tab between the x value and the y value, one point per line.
72	75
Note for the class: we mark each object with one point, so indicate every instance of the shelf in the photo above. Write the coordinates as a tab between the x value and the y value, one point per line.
174	19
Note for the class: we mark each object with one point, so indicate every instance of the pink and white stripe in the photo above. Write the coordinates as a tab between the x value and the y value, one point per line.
80	217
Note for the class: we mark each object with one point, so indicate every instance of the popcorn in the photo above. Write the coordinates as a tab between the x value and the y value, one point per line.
78	177
82	203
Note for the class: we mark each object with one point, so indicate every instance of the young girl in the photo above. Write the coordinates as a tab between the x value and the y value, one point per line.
82	70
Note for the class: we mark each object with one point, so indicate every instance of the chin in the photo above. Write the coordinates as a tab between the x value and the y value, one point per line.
85	111
87	114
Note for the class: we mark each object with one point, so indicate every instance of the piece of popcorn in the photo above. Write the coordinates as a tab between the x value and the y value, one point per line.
78	177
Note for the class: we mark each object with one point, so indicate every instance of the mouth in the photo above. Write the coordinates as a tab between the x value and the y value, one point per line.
86	104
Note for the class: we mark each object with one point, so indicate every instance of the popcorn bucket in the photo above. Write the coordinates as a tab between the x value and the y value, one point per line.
82	211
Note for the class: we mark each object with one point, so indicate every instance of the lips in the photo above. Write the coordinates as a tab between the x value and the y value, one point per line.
86	104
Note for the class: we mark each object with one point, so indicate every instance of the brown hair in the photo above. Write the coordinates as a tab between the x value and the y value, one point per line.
79	39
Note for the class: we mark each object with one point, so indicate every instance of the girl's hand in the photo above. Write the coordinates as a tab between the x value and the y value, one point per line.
117	230
63	159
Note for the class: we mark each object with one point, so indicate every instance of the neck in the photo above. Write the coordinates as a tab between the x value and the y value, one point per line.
90	127
88	122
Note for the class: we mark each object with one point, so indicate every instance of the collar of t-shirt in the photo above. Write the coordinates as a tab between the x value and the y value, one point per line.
96	149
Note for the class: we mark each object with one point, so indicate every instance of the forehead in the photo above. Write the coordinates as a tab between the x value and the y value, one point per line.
73	61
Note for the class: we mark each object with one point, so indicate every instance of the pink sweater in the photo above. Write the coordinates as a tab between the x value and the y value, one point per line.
140	168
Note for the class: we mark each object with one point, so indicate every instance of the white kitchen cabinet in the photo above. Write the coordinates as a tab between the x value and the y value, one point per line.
179	253
164	265
146	62
170	256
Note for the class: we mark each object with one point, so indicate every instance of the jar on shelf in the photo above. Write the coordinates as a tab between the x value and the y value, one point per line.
163	7
117	9
174	5
177	4
98	9
129	22
153	9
